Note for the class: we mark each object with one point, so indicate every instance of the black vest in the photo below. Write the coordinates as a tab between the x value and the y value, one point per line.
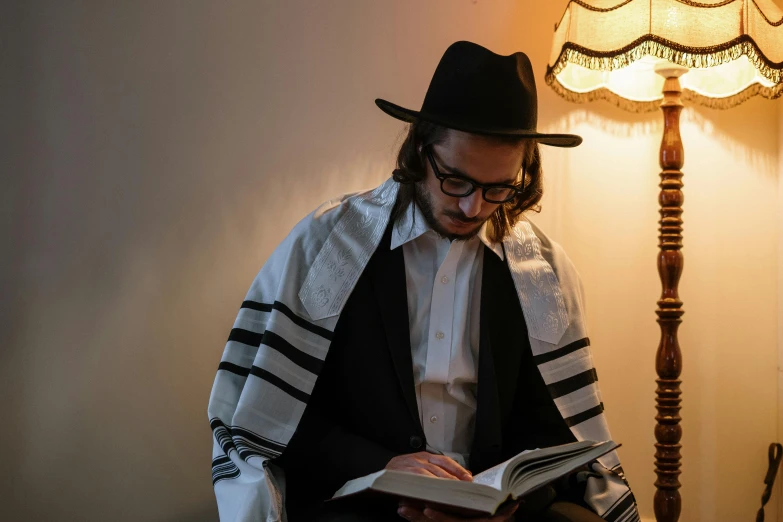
363	408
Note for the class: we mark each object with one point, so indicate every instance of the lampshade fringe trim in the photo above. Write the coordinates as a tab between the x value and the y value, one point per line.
692	58
650	106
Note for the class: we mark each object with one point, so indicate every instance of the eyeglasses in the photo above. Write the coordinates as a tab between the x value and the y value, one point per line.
460	186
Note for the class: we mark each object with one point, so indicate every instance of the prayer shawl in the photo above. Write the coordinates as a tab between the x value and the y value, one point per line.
282	334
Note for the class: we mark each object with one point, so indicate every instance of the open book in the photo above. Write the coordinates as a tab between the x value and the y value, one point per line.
511	479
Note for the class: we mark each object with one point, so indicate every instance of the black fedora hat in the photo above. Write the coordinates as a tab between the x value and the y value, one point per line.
477	91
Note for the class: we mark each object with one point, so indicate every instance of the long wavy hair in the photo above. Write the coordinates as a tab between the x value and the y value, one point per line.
411	169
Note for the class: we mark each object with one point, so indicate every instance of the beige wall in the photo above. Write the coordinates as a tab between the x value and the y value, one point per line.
158	151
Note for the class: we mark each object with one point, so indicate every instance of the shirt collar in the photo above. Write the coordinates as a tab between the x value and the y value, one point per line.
412	225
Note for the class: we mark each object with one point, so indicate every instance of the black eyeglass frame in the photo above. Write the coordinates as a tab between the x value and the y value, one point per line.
515	191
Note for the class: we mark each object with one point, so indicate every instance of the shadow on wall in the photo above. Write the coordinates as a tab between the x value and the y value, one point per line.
731	128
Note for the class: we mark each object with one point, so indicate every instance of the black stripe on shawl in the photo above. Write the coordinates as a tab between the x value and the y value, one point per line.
247	452
247	337
219	461
274	380
618	501
297	356
222	435
317	330
618	470
245	442
234	437
274	341
253	305
225	476
585	415
257	439
573	383
217	477
282	308
631	515
621	508
560	352
234	368
223	469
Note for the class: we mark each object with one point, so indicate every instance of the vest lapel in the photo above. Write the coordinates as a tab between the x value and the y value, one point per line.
388	279
507	329
502	327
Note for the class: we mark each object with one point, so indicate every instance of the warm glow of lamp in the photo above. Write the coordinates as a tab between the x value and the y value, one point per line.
642	55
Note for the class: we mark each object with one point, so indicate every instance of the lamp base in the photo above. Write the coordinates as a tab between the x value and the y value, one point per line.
668	359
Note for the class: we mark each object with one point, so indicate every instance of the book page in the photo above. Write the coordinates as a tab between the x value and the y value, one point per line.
494	476
527	478
473	499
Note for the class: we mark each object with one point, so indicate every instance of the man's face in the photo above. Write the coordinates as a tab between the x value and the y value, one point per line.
474	157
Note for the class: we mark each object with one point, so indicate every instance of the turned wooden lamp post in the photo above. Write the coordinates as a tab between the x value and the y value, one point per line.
645	54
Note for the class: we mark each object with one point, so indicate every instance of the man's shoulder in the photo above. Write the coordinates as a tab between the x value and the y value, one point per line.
355	216
321	221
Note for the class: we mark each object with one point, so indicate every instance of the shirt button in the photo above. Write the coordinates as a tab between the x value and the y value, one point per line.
444	280
440	335
433	419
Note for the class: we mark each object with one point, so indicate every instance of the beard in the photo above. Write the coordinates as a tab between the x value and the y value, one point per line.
422	198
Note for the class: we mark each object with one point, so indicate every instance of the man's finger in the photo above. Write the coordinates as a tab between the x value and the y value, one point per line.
411	513
418	471
438	471
452	466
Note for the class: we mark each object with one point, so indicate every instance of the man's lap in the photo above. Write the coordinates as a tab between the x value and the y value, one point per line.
381	509
386	511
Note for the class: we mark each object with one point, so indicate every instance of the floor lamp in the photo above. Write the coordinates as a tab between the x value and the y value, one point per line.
644	54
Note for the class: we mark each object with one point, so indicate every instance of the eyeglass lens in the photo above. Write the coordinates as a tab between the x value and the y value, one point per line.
459	188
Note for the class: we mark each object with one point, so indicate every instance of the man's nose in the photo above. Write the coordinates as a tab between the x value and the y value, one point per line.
471	205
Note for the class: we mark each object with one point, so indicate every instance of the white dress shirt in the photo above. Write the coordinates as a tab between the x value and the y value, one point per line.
443	281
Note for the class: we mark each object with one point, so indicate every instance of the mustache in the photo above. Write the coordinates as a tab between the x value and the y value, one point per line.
460	216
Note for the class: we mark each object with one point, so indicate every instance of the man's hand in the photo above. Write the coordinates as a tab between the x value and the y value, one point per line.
425	463
415	513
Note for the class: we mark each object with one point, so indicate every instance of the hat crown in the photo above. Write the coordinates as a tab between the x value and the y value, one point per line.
475	90
471	83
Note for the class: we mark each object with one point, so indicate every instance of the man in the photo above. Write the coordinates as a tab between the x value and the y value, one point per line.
426	326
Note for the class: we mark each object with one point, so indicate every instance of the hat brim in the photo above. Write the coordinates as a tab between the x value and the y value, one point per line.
410	116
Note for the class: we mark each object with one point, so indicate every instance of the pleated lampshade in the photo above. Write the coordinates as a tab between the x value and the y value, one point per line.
610	49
